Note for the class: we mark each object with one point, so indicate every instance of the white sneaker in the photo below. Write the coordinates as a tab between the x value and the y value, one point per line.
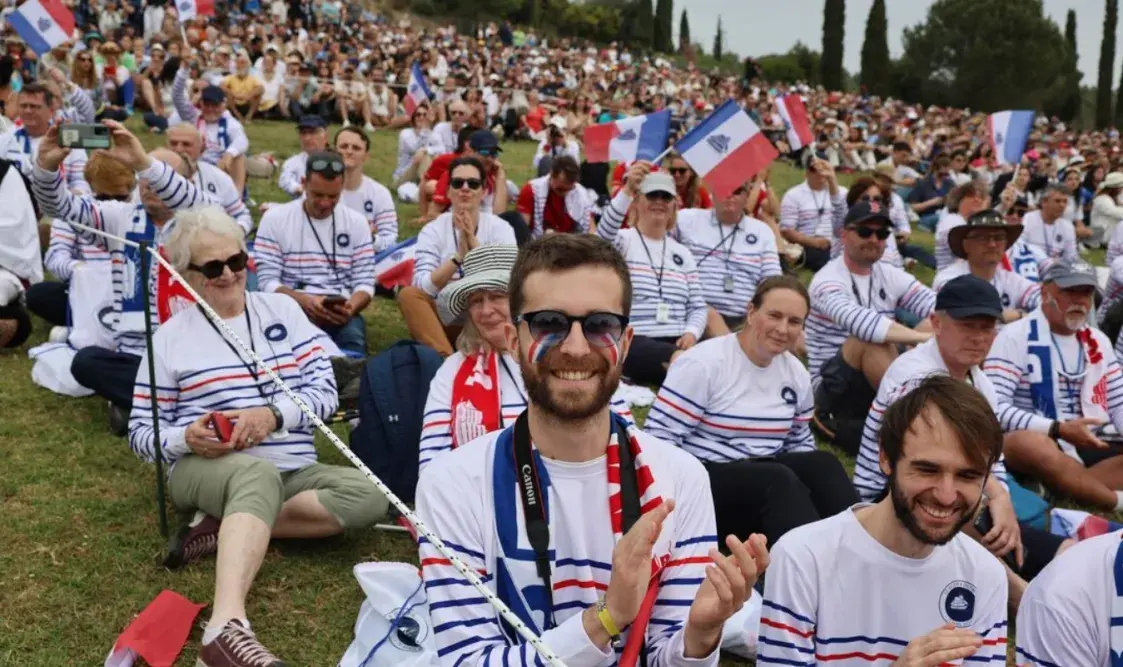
346	123
59	334
368	128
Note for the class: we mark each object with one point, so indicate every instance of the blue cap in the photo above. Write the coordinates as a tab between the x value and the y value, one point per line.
213	95
969	296
311	122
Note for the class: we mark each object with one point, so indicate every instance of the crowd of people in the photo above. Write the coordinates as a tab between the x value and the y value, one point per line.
957	399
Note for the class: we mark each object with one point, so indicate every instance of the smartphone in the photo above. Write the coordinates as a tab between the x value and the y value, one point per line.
984	523
222	426
84	136
1109	434
334	301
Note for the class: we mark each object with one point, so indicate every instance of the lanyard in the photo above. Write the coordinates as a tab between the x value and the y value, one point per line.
1071	378
662	262
822	207
331	258
858	296
721	242
254	373
507	370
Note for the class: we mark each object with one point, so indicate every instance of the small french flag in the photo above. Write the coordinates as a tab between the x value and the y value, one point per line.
43	24
1009	133
418	91
726	149
393	267
192	9
794	114
629	139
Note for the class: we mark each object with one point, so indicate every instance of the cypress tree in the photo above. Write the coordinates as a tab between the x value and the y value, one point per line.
664	22
1107	64
834	25
719	51
683	32
876	65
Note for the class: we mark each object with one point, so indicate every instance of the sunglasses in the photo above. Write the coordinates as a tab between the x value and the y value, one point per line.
678	171
867	198
214	268
659	196
881	233
600	329
109	197
460	183
325	166
489	152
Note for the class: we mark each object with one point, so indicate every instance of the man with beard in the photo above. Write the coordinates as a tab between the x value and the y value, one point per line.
1057	381
570	564
896	579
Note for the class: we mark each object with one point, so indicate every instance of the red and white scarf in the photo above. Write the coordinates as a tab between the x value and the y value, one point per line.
476	400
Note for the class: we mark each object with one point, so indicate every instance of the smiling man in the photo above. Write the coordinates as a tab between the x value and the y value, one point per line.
896	579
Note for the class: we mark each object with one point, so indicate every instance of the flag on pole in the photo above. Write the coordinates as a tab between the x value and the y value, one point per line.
418	91
43	24
1009	133
794	114
628	140
193	9
726	149
393	267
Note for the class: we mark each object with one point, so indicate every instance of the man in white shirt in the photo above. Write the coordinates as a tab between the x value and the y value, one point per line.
313	135
352	99
216	184
1046	229
808	211
444	136
550	562
20	145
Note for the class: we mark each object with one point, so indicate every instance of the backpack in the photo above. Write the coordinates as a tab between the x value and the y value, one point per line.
392	393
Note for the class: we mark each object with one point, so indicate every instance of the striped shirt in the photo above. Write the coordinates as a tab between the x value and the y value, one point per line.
944	256
734	256
437	426
719	406
1113	294
330	256
1017	292
222	190
835	595
812	212
1057	239
903	375
22	149
66	250
198	373
456	498
225	137
663	272
373	201
124	219
439	241
844	305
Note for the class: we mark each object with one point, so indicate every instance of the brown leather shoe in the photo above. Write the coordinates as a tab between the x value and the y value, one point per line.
236	646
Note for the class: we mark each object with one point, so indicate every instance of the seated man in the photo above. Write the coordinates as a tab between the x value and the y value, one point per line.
186	140
930	193
569	299
981	244
244	87
896	579
808	211
224	138
557	202
38	106
1057	379
851	334
313	136
1047	229
263	481
321	253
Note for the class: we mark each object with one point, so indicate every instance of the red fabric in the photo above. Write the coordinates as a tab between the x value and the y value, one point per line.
555	214
598	139
525	203
158	633
742	164
704	199
475	398
439	166
536	118
171	296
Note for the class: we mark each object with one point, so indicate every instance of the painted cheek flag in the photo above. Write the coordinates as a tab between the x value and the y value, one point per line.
43	24
418	91
393	267
193	9
726	149
1009	133
794	115
628	140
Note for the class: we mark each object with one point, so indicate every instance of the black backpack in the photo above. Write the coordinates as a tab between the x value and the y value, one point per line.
392	393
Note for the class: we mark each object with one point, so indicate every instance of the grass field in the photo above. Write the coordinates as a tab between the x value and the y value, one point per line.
79	538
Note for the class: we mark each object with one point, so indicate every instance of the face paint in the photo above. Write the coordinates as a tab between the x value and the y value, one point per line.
609	345
540	347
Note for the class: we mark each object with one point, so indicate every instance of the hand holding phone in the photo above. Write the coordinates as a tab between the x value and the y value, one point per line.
87	136
222	426
335	302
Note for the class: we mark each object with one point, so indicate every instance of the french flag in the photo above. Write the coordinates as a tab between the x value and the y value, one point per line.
393	267
794	115
1009	133
628	140
726	149
192	9
418	91
43	24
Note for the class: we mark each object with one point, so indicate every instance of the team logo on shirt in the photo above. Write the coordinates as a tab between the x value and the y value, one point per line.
212	188
677	259
105	316
410	632
1005	300
1058	238
368	206
957	603
276	332
343	240
788	394
750	239
881	293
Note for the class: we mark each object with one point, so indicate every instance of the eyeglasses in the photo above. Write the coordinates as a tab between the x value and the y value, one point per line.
214	268
659	195
601	329
987	238
679	171
459	183
881	233
326	166
868	198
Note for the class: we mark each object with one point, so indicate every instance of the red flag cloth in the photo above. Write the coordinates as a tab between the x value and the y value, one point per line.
159	632
171	297
630	655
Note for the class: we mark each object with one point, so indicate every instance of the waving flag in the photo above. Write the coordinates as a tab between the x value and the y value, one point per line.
193	9
794	114
418	91
43	24
726	149
393	267
1009	132
628	140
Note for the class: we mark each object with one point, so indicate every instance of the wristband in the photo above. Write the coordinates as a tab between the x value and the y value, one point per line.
456	261
607	623
278	416
1055	430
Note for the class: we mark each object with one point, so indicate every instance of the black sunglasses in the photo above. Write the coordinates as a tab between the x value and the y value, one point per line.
678	170
881	233
459	183
325	166
214	268
659	195
880	200
101	196
601	329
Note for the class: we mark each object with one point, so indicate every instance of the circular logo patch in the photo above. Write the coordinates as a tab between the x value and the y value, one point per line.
212	188
788	394
957	603
368	206
677	259
750	239
105	316
881	293
276	332
343	240
410	632
1006	300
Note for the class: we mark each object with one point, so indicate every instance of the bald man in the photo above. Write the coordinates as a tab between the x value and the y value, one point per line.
185	140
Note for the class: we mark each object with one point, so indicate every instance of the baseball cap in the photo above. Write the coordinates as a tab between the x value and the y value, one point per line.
867	211
310	122
658	181
484	140
1071	274
213	94
969	296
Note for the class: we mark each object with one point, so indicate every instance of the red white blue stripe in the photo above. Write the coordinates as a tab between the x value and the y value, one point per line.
726	149
628	139
794	115
418	91
1009	132
539	347
43	24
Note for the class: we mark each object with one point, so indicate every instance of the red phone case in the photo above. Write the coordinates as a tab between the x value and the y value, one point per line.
222	426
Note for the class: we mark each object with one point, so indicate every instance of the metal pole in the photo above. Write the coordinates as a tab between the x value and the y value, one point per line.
146	276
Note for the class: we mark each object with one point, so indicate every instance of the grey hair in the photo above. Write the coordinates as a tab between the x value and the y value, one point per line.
1054	188
190	224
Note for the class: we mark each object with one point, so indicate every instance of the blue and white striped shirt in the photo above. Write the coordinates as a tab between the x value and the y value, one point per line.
66	250
439	240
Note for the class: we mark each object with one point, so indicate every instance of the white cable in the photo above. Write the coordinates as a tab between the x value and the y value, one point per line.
543	650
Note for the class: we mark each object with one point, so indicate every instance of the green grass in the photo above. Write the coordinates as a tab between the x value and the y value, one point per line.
79	537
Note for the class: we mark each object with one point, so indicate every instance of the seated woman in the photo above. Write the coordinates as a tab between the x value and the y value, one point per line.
479	389
742	403
263	481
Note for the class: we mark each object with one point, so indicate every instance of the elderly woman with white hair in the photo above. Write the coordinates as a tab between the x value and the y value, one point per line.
240	451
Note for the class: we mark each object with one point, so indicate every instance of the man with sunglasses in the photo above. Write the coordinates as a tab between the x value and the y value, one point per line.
313	136
185	140
852	335
617	528
321	253
445	135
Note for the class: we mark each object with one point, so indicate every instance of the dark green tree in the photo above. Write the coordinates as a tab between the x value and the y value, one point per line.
1107	64
719	51
664	22
876	64
834	26
534	12
1073	101
683	31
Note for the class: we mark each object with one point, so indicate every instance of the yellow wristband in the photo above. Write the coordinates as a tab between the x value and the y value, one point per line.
606	621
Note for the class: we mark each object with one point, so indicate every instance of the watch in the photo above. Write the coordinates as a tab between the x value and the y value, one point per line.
277	415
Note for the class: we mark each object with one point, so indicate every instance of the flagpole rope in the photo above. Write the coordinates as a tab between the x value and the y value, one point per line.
521	628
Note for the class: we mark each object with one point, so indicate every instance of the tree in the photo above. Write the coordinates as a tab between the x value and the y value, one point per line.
640	24
533	12
834	25
876	64
1070	111
683	31
719	51
664	21
1107	64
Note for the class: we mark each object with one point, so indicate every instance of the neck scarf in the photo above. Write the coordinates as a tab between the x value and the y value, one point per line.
476	398
1046	391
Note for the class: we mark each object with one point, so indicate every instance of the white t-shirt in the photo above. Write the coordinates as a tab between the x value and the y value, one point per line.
439	241
811	212
1016	291
1057	239
375	203
947	222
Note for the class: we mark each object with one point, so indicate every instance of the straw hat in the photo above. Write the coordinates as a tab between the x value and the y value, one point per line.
487	267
